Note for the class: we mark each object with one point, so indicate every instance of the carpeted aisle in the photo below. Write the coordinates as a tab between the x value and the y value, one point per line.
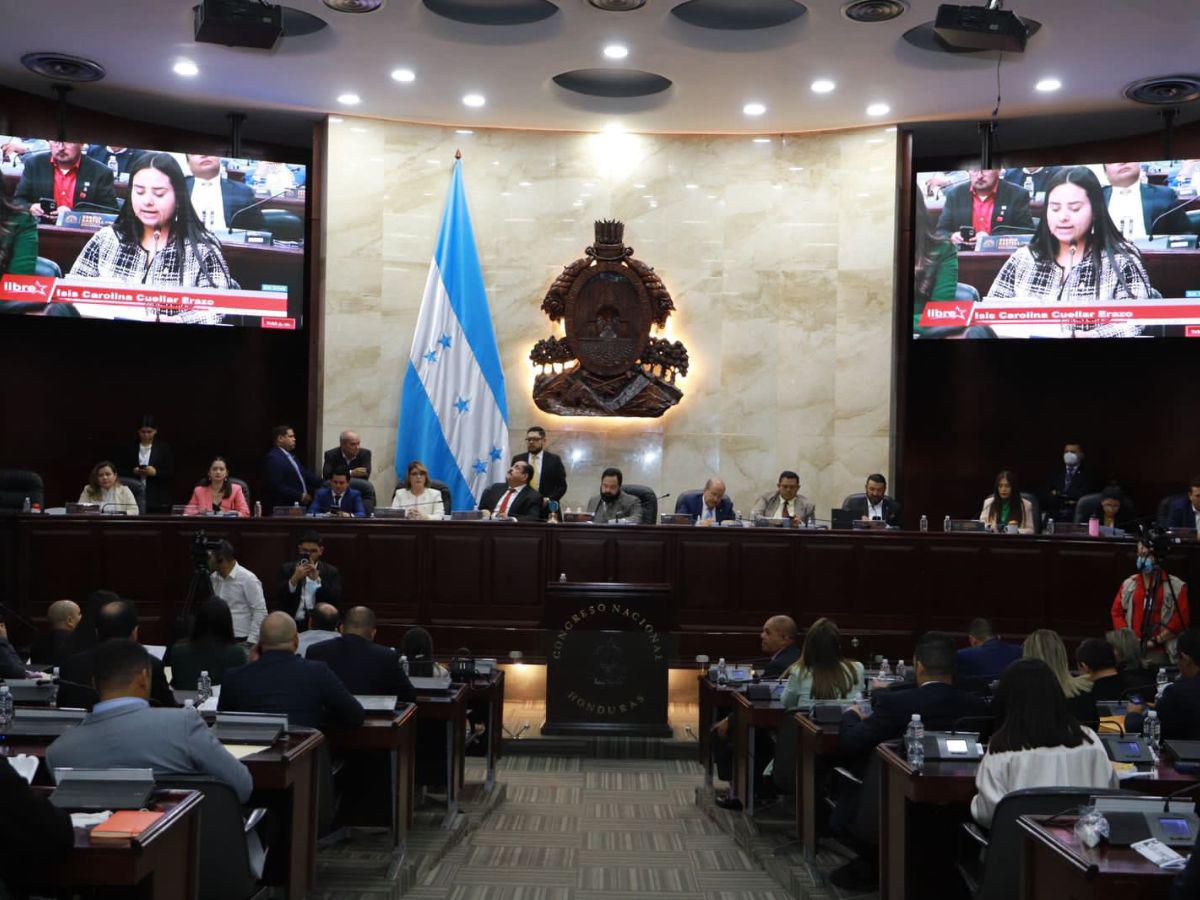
594	829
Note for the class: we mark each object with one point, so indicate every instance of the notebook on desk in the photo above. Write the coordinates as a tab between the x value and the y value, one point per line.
376	702
435	685
93	789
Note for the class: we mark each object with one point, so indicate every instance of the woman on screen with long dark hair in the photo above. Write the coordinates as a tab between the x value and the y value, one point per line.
18	239
1077	255
157	239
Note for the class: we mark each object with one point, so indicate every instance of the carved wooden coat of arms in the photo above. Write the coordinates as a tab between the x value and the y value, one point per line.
608	364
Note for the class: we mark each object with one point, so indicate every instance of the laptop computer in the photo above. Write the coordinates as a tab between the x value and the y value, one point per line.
95	789
243	728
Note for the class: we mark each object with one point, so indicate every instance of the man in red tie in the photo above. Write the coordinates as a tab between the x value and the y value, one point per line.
513	498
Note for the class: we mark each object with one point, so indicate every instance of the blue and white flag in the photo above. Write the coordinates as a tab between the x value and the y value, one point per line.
453	412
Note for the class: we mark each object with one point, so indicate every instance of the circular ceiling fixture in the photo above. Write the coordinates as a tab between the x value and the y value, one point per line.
355	6
63	67
618	5
612	82
739	15
1165	90
493	12
869	11
924	38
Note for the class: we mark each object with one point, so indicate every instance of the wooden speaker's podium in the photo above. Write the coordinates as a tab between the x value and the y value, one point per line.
606	651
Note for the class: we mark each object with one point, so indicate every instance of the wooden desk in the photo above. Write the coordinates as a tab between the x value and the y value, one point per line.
395	733
749	715
715	701
815	742
1056	866
162	862
450	709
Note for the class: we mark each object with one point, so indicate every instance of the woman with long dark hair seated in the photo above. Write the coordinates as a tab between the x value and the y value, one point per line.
157	239
1007	507
1077	255
209	648
1038	744
217	494
822	672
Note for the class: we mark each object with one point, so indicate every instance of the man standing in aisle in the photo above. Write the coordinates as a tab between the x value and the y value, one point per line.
549	475
288	482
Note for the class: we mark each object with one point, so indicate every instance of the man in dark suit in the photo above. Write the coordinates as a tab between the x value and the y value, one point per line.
1142	210
1186	513
278	681
157	468
53	647
987	656
307	581
125	156
63	174
117	620
987	204
221	203
1179	706
874	505
287	481
549	475
514	497
710	507
363	666
1036	176
339	499
349	453
1070	483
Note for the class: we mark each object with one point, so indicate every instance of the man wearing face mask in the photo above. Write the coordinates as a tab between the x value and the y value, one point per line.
1067	485
612	503
1152	602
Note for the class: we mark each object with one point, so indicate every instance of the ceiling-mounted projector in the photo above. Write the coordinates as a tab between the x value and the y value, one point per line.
980	28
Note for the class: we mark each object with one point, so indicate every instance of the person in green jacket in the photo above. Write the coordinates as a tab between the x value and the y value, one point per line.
18	239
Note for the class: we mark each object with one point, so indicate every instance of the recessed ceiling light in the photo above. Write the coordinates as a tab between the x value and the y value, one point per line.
822	86
754	109
349	99
404	76
186	68
878	109
762	140
474	100
691	187
616	51
463	131
613	128
1046	85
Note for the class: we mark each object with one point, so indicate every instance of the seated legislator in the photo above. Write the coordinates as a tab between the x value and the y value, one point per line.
339	499
349	453
513	497
210	647
157	240
987	204
1128	651
307	581
11	665
1046	645
1032	178
875	505
288	483
785	502
107	155
1142	210
1098	663
415	494
217	494
417	646
116	621
710	507
278	681
1168	615
66	177
53	647
1007	507
1115	509
1186	513
18	239
612	503
220	203
363	666
34	833
104	488
1070	482
822	672
241	591
85	635
1077	255
1179	706
123	730
1039	743
986	657
150	460
323	623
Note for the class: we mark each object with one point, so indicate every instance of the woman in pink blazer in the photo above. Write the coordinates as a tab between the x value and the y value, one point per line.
217	494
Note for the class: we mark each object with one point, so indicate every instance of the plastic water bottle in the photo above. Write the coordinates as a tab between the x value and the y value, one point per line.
562	577
203	686
258	509
189	703
1049	526
901	670
1161	679
26	506
114	166
924	522
946	524
914	742
885	669
404	664
1029	186
722	671
1152	730
6	706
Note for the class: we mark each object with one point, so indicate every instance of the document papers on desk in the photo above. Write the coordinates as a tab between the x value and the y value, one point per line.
376	702
430	685
241	751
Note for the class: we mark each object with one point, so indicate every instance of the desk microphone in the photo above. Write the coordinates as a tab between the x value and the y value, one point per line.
96	207
664	496
1163	215
1179	793
954	725
255	205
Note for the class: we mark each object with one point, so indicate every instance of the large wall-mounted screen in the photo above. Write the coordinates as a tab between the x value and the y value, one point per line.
1102	250
145	235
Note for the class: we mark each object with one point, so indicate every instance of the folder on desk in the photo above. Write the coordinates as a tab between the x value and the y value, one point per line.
248	728
119	829
376	702
102	788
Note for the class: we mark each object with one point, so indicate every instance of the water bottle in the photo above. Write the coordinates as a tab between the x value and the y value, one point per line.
404	664
114	166
203	687
1049	526
1029	186
562	577
901	670
189	703
722	671
946	524
914	742
27	506
885	669
258	509
924	522
6	706
1152	731
1161	680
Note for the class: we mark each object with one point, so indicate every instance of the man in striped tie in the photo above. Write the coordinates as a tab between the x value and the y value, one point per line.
513	498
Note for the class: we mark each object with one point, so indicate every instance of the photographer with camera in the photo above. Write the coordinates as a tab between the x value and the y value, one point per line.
307	581
240	589
1153	602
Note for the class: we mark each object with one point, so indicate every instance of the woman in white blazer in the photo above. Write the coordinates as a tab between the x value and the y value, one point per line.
1007	507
